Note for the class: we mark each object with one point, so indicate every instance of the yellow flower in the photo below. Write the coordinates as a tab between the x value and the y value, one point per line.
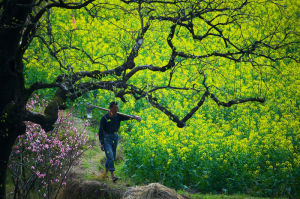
169	162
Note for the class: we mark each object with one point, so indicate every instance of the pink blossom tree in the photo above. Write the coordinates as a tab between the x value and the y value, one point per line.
41	161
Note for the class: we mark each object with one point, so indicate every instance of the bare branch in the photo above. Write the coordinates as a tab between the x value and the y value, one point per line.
38	118
31	28
237	101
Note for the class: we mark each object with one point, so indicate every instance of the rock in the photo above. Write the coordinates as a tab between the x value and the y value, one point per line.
151	191
90	190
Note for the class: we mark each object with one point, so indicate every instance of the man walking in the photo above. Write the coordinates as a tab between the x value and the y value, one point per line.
108	136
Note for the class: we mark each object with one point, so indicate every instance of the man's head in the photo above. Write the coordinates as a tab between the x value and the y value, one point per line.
113	107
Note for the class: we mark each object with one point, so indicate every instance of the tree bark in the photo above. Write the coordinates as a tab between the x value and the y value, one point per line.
6	143
12	105
11	109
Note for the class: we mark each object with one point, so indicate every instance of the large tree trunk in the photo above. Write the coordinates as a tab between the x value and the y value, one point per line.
6	144
12	105
11	124
4	155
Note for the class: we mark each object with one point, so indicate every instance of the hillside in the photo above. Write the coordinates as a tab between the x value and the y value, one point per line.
86	179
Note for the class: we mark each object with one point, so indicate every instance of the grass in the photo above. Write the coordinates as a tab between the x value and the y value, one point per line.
92	165
94	156
217	196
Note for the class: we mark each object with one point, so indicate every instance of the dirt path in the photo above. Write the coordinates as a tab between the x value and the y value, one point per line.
86	180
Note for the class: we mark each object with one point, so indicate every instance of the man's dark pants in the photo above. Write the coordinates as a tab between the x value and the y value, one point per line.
110	148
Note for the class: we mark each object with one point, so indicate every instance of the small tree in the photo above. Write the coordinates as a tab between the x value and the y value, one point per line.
41	161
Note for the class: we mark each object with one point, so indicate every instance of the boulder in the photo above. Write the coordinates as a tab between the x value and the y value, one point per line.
90	190
151	191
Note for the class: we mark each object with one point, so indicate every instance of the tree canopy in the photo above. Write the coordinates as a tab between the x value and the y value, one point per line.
190	49
175	54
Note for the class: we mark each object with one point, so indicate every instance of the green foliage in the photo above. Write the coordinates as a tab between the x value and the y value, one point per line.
248	148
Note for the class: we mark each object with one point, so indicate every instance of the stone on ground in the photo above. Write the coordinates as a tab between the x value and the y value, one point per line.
151	191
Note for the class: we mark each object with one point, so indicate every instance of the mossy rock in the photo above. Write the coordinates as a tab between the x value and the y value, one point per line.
91	190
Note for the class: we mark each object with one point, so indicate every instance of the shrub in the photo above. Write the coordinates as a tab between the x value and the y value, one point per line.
41	160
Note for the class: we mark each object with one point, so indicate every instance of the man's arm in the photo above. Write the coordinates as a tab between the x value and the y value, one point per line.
101	131
123	118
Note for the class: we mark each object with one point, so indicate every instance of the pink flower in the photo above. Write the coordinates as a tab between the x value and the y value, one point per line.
62	144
